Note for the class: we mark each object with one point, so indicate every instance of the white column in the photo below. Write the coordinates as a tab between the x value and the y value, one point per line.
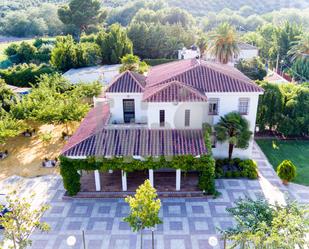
124	180
151	178
178	179
97	180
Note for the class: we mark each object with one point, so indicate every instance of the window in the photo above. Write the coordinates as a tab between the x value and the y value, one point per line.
213	106
162	118
243	106
128	110
187	118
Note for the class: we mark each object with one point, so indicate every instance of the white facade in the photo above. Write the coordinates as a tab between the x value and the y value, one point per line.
185	53
247	54
148	113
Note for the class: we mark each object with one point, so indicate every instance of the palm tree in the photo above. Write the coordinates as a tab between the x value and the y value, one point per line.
235	129
223	43
300	48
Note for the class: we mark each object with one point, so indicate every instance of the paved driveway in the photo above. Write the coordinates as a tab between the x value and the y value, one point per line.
188	223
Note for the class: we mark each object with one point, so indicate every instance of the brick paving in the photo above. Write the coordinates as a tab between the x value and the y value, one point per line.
188	222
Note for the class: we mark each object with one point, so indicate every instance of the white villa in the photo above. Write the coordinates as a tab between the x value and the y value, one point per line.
162	114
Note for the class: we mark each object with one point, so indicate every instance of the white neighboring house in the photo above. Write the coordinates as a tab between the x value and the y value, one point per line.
246	52
104	74
192	53
162	114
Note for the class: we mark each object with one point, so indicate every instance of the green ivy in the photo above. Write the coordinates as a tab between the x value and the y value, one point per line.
204	164
70	167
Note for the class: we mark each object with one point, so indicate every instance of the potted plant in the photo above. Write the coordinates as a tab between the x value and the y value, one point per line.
286	171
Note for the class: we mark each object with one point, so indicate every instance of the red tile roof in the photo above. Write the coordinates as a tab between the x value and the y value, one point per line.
128	82
95	120
173	92
203	76
140	142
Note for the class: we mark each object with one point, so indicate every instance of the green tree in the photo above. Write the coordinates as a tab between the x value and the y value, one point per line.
9	126
233	128
114	44
53	100
300	48
145	209
270	106
223	43
261	225
133	63
7	96
253	68
22	221
63	56
80	14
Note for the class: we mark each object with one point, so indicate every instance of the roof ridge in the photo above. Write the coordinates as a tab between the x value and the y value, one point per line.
165	85
192	65
131	73
114	81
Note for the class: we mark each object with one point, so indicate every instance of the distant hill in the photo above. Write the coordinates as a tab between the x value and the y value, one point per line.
199	7
6	6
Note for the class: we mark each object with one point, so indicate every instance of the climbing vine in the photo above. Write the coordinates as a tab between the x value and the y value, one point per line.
205	165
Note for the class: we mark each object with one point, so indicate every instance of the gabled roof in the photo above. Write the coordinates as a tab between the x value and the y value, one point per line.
173	91
246	46
127	82
203	76
140	142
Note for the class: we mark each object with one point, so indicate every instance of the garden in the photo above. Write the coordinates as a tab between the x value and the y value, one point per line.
296	151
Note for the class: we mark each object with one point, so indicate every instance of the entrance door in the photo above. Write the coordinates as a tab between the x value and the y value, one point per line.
128	111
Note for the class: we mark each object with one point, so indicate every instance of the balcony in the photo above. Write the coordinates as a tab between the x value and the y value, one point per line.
114	124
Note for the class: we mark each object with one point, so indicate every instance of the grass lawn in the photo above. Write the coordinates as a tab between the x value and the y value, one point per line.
296	151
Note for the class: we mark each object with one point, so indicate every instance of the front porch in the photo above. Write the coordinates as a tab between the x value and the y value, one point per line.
168	182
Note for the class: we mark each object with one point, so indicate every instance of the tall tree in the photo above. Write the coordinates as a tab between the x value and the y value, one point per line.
261	225
234	129
270	108
63	55
114	44
223	43
22	221
80	14
300	48
145	209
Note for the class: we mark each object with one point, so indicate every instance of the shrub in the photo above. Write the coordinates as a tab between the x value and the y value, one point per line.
286	170
155	62
249	169
24	75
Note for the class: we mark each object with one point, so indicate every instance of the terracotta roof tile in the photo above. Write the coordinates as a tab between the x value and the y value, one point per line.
95	120
140	142
127	82
173	92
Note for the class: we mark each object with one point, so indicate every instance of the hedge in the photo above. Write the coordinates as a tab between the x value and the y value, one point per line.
236	168
23	75
155	62
205	165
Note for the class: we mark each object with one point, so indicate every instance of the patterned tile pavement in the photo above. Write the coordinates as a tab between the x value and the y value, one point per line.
188	222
